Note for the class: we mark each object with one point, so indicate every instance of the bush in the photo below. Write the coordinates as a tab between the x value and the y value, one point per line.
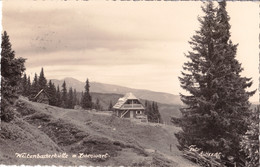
176	121
7	113
205	159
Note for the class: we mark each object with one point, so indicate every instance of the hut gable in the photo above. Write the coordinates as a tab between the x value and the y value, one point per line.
42	97
129	101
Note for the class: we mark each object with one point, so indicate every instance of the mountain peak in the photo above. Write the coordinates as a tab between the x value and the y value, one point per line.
71	79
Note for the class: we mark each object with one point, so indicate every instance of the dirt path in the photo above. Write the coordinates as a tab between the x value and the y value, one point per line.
173	153
152	136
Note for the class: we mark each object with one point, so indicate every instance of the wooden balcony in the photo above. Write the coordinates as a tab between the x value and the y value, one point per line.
133	106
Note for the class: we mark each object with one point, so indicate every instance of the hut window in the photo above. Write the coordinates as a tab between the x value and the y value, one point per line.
138	112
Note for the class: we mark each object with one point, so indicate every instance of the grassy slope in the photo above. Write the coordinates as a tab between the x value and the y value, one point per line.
40	128
166	110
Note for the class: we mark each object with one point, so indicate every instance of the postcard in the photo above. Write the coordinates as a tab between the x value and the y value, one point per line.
129	83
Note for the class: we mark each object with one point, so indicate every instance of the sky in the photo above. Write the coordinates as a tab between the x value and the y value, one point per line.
134	44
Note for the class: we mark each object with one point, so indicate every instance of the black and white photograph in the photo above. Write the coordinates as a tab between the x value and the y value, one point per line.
130	83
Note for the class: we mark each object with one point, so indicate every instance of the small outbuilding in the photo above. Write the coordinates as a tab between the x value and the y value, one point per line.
129	107
42	97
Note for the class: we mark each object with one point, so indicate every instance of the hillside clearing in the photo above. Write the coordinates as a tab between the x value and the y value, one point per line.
43	129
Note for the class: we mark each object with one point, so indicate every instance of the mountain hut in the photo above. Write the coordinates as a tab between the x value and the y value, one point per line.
42	97
129	107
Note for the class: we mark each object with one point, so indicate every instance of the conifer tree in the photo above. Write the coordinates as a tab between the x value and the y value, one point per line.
42	80
29	86
110	107
11	72
81	99
70	98
23	85
86	100
152	112
64	96
75	99
58	97
51	90
250	143
214	118
149	112
35	87
156	113
146	107
97	105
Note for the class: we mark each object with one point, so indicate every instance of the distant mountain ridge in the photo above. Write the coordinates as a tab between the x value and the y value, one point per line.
160	97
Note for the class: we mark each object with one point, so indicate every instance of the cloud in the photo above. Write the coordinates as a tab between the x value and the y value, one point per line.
136	44
65	36
63	27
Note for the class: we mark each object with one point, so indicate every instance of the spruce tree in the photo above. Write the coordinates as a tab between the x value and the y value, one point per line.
23	85
11	72
146	107
81	99
70	98
110	107
157	115
35	87
75	99
250	143
42	80
214	118
97	105
86	100
58	97
149	112
51	90
152	112
64	96
29	86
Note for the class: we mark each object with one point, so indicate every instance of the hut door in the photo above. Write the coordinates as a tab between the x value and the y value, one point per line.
131	114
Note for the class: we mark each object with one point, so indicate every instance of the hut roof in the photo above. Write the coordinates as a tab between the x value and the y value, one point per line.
41	91
122	100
